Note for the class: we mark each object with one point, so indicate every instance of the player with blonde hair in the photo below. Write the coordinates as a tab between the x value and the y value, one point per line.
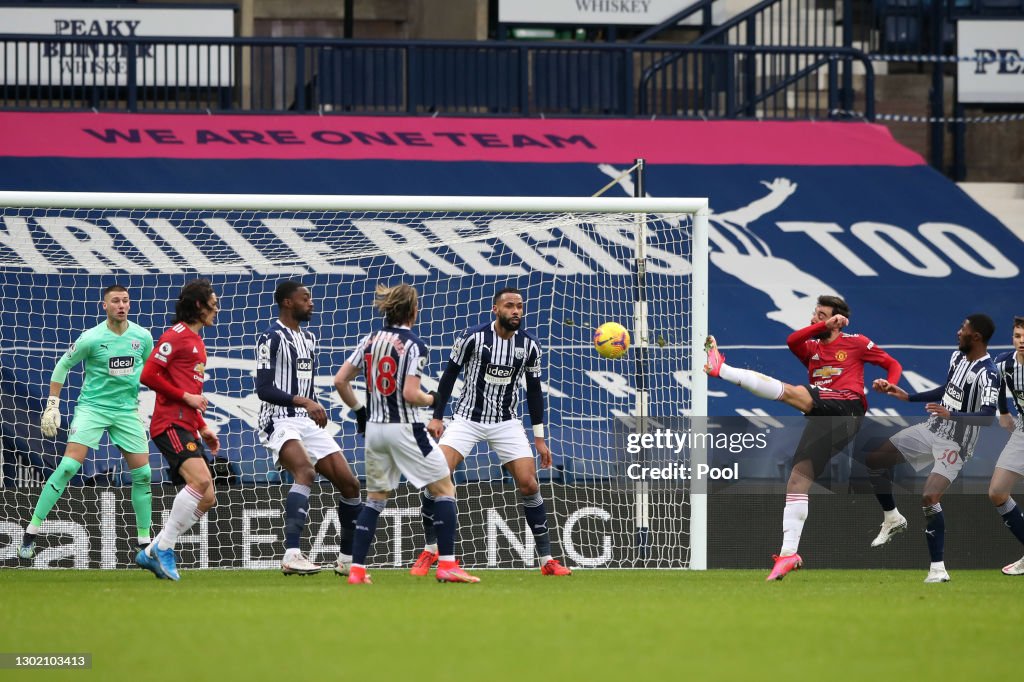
397	443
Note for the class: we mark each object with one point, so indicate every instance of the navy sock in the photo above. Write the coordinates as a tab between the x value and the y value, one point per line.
1013	519
348	512
445	521
935	532
296	509
881	483
427	516
537	519
366	528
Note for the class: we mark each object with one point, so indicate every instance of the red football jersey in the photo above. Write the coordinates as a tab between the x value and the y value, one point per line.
176	367
837	368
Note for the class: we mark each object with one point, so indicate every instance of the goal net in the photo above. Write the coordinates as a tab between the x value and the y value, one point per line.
578	262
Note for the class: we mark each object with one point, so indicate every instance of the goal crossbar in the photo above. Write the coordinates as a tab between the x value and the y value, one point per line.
299	202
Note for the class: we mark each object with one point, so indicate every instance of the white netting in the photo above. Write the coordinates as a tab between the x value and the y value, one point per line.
576	270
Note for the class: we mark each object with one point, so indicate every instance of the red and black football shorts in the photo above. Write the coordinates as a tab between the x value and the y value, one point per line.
831	426
176	444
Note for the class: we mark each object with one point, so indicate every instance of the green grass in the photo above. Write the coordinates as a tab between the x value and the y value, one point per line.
595	625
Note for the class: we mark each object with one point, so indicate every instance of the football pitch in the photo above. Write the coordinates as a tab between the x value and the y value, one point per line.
516	625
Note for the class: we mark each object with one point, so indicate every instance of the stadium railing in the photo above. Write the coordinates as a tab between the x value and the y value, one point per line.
426	77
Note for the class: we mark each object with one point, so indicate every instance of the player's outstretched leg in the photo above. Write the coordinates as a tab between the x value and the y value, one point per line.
760	385
428	557
52	491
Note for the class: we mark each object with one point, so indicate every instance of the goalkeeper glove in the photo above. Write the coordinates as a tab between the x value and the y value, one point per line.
50	421
361	420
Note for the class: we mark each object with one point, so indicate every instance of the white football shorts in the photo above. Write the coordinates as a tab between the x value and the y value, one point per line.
507	439
318	442
1012	456
394	450
920	447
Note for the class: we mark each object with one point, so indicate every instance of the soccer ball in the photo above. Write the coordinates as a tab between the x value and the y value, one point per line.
611	340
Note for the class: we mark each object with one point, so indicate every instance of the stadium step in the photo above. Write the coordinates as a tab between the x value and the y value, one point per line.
1004	200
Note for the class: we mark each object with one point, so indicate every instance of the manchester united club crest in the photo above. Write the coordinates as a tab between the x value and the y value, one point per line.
840	356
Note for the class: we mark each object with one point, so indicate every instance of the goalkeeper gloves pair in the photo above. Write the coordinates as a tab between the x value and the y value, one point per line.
50	421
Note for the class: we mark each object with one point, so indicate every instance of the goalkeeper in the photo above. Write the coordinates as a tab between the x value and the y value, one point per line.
113	353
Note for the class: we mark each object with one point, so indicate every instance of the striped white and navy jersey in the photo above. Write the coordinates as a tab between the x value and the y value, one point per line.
388	357
971	386
285	367
1011	377
494	369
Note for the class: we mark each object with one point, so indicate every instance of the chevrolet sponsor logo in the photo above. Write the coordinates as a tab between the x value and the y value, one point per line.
827	372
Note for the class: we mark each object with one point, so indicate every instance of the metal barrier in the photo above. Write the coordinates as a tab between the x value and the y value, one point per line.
421	77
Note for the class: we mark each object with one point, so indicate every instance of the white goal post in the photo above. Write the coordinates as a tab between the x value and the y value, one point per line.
578	261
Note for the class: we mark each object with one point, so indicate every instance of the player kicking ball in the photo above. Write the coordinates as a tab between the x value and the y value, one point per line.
833	400
397	443
113	352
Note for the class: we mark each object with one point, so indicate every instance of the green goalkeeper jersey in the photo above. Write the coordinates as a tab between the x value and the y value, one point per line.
113	364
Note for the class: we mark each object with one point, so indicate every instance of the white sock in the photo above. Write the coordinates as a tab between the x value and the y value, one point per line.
793	517
445	558
938	565
430	548
891	515
293	552
344	558
32	529
760	385
151	546
544	559
183	515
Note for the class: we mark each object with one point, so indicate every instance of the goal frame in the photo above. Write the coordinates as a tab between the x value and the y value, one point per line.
696	207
